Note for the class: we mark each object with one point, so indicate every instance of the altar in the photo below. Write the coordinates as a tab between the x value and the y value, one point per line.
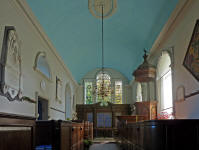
104	118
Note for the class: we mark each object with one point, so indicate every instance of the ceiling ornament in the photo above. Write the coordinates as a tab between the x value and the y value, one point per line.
95	8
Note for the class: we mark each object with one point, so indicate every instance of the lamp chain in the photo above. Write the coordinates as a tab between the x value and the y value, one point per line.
102	39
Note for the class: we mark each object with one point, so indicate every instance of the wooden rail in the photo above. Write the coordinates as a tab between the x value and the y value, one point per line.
192	94
58	110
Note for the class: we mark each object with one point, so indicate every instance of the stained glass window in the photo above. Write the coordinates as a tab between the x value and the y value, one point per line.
102	90
107	85
118	92
88	93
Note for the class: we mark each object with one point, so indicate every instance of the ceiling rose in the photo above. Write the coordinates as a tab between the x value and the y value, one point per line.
96	10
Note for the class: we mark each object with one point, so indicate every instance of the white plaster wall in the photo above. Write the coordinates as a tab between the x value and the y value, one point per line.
178	36
55	115
15	107
80	95
33	40
128	94
133	85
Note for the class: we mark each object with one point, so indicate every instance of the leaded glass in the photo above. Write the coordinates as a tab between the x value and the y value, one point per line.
103	81
118	92
88	93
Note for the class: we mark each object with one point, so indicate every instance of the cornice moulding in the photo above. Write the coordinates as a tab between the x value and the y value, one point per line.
170	25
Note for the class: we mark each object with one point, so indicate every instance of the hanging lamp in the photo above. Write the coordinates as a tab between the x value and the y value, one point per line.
103	90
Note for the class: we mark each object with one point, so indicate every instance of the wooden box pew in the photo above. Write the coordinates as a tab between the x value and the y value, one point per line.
17	132
61	135
77	135
160	135
88	130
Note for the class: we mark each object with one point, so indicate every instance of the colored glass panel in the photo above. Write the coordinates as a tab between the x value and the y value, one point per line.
105	81
88	93
118	92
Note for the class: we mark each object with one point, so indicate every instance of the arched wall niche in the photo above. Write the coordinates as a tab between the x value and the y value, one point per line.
41	65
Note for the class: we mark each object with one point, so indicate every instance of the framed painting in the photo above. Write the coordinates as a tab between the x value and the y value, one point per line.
191	60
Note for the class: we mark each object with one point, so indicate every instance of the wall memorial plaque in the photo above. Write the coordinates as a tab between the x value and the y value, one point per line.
10	66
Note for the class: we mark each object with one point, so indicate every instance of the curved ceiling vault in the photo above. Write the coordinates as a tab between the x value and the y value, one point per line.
76	33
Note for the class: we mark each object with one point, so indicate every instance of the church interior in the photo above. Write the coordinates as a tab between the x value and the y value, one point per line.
99	74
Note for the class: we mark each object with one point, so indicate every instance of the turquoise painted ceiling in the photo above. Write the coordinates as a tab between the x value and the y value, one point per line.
76	34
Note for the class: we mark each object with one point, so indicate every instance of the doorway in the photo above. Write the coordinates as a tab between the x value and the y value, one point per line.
42	109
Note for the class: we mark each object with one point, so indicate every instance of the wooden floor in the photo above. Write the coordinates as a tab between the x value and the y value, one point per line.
105	146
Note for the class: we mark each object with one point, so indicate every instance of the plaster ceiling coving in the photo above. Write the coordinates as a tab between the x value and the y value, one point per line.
95	8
